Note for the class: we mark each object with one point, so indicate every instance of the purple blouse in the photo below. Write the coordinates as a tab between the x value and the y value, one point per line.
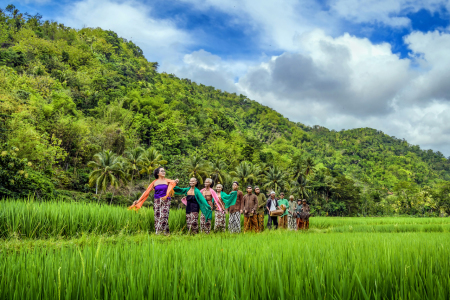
161	191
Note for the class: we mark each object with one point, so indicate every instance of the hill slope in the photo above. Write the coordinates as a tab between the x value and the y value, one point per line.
67	94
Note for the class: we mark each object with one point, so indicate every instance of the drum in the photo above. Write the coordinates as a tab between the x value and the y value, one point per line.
304	216
278	212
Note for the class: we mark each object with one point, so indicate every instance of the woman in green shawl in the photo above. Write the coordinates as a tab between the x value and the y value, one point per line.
195	202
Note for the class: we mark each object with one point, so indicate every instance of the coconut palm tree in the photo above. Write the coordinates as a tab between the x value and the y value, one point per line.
300	186
275	179
134	158
108	171
217	172
246	173
151	159
310	166
197	167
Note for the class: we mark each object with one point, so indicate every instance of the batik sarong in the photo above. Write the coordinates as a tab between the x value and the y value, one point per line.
192	222
283	222
234	222
292	223
205	225
260	222
162	209
219	222
251	223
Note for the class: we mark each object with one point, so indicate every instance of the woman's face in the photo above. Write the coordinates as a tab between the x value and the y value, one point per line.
218	188
207	183
162	172
192	182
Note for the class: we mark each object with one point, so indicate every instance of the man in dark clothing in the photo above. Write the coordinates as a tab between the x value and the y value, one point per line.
250	208
272	204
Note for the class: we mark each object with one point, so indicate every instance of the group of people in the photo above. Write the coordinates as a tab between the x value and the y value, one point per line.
290	214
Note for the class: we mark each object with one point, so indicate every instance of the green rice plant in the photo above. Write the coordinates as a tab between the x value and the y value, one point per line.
271	265
33	219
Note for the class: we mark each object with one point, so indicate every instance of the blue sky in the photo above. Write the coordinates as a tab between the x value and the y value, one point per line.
337	63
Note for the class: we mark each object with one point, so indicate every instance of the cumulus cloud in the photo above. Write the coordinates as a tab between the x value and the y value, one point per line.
160	39
347	74
387	12
210	69
277	22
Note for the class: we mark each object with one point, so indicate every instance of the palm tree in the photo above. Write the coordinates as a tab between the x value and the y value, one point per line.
310	166
151	159
197	168
246	173
300	186
134	158
108	171
218	174
275	179
298	168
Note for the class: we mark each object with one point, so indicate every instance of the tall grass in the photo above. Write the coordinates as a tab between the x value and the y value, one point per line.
273	265
31	219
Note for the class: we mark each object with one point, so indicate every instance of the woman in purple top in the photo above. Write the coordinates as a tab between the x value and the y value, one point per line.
163	188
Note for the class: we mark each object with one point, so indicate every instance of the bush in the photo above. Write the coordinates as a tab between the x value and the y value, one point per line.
17	179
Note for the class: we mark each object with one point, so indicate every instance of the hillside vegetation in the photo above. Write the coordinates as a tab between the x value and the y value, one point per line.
73	101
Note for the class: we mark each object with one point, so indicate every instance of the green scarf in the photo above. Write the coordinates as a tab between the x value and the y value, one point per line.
204	206
229	200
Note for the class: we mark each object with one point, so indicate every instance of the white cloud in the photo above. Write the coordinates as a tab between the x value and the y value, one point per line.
160	40
277	22
382	11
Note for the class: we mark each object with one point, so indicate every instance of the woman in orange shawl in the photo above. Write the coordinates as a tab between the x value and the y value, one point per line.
163	191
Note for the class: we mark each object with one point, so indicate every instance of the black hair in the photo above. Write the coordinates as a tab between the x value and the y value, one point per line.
236	182
156	172
256	187
249	187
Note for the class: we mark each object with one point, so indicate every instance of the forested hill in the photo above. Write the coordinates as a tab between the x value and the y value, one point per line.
67	95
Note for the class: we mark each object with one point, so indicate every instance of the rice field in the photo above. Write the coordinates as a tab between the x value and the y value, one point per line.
40	220
271	265
55	250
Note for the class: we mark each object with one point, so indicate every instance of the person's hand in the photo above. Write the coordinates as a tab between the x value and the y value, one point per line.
245	211
135	202
242	211
177	180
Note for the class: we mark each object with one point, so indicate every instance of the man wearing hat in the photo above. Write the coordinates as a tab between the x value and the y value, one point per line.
262	200
272	204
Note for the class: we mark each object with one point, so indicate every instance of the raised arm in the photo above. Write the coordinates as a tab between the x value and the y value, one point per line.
138	204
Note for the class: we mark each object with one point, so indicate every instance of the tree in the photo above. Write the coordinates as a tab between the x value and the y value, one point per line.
246	173
310	166
151	159
108	171
197	167
218	174
275	179
134	158
300	187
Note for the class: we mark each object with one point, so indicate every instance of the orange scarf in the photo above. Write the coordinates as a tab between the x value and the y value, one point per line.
171	184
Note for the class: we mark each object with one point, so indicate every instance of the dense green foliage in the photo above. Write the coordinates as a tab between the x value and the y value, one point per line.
67	95
272	265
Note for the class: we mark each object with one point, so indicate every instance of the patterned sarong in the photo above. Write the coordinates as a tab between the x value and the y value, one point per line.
234	222
205	226
220	222
192	222
260	222
251	223
162	209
